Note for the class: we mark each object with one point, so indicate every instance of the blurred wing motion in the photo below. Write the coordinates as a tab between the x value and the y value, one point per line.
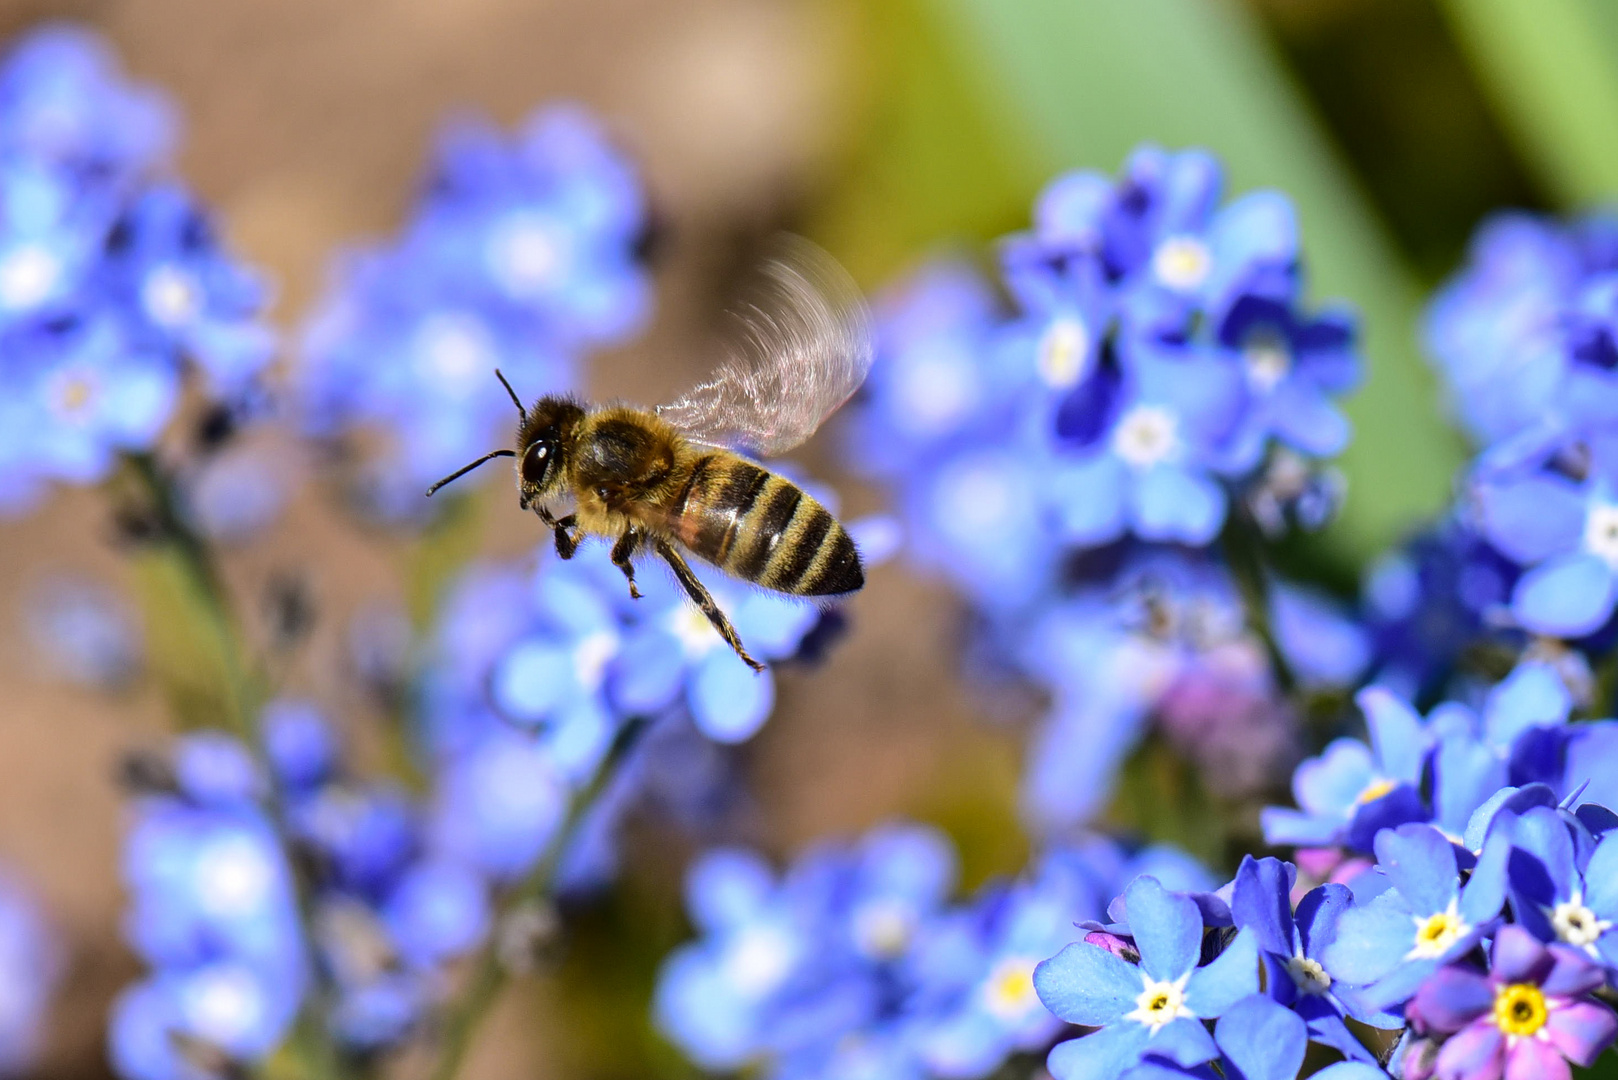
804	348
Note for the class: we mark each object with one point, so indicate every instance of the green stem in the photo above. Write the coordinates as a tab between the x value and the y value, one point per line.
243	700
242	693
489	974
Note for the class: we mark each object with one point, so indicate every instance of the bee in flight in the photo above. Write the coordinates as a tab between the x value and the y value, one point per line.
673	478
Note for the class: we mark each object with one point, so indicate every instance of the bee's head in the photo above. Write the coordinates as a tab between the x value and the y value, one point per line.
544	444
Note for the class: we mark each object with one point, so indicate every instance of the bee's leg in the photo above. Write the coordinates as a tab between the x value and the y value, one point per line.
623	551
700	596
567	542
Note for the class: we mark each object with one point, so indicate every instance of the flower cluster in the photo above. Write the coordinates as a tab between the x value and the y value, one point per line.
522	253
854	963
1055	464
111	276
238	946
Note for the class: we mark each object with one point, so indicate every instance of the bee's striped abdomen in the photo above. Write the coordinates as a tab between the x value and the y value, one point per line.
760	527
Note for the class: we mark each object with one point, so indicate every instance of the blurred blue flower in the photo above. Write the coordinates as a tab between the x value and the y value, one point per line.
1146	464
1155	1008
1525	333
522	253
64	102
549	221
111	282
1351	791
1431	598
499	804
1562	528
31	967
82	630
671	651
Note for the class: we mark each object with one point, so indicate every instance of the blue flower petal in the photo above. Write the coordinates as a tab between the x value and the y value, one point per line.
1167	928
1101	1055
1175	503
1532	519
730	701
1232	976
1566	596
1261	1040
1086	984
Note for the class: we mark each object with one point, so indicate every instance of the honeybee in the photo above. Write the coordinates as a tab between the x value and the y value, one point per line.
674	479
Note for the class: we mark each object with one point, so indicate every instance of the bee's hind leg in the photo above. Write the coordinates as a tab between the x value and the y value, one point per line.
622	554
701	597
565	530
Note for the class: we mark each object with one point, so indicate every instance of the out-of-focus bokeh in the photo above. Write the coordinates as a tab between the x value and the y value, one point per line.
888	131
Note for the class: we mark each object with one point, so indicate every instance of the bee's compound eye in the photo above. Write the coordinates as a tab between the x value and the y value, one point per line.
536	463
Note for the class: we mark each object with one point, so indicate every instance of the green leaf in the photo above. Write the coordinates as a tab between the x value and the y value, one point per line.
1551	69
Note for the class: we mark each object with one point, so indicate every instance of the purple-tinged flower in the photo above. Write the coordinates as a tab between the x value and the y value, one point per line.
1154	1008
1529	1016
1426	916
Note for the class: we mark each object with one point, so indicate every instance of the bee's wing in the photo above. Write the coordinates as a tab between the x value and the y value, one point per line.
804	348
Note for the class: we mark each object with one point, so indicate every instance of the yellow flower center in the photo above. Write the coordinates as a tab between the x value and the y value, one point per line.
1010	990
1375	790
1182	262
74	394
1160	1002
1436	933
1519	1009
1063	352
1308	975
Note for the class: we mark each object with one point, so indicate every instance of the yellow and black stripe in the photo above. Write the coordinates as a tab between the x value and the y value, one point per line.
763	528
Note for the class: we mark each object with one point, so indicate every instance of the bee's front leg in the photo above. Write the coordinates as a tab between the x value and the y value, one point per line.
622	554
565	531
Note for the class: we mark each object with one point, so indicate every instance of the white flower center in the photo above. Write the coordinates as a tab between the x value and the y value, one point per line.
1063	352
758	960
1308	975
883	927
1160	1003
233	877
694	632
1578	925
1267	361
591	655
28	276
1146	436
454	352
1009	992
1182	262
527	253
222	1005
1437	933
1601	532
171	297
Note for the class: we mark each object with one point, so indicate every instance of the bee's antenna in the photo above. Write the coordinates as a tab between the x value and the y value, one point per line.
515	400
458	473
